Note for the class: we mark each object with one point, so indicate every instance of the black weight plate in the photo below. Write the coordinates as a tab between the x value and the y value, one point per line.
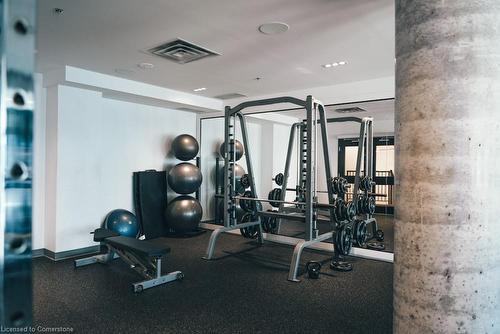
375	246
341	266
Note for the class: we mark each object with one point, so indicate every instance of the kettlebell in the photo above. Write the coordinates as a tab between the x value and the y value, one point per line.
313	269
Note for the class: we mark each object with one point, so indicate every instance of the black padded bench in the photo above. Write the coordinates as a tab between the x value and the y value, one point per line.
144	256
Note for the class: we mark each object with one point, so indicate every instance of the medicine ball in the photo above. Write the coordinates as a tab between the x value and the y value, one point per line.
238	173
185	147
184	178
183	213
123	222
238	147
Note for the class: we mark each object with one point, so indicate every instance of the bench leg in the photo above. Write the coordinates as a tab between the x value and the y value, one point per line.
158	280
100	258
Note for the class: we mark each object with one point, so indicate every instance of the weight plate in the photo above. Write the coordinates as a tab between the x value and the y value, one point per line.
279	178
375	246
371	205
246	205
245	181
360	233
269	224
249	232
341	266
350	211
275	195
343	239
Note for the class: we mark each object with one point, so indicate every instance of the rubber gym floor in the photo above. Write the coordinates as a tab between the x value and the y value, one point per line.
244	290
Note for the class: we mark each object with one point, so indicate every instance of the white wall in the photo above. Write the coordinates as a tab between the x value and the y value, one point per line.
50	190
94	145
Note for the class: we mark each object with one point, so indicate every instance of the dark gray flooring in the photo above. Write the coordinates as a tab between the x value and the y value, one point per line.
244	291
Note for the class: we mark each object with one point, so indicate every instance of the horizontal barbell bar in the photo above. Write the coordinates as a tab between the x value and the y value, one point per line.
279	201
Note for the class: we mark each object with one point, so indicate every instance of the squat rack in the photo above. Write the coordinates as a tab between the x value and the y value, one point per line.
313	108
363	217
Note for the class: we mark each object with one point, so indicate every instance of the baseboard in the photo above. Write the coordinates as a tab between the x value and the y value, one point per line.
38	252
67	254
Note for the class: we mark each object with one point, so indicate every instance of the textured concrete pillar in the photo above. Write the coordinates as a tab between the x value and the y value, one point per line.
447	238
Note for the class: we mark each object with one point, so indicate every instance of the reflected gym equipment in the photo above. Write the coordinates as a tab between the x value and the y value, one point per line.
184	178
245	181
339	186
183	213
185	147
122	222
239	172
17	33
251	231
269	223
239	150
275	196
239	211
360	233
279	179
379	235
250	205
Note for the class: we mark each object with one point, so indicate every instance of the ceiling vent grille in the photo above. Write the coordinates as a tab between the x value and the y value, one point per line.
349	110
181	51
229	96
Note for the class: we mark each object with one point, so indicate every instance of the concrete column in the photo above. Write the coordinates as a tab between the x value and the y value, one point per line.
447	237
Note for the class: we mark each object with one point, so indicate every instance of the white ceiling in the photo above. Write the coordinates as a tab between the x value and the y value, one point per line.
105	35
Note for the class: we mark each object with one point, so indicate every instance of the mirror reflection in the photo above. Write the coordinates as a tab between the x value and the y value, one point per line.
269	145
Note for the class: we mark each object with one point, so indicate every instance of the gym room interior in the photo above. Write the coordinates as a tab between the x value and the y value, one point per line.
232	166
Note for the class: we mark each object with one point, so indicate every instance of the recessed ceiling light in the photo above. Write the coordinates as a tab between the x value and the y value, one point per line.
199	89
273	28
145	66
340	63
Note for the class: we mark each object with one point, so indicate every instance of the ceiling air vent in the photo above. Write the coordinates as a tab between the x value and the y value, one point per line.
229	96
349	110
181	51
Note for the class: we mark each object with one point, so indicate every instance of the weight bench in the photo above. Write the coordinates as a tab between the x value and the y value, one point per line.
144	256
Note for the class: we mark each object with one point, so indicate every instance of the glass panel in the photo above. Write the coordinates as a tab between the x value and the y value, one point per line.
385	167
351	155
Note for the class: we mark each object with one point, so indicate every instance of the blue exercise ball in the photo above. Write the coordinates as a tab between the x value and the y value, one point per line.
123	222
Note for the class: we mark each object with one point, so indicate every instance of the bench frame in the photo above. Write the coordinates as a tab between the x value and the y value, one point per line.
147	267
